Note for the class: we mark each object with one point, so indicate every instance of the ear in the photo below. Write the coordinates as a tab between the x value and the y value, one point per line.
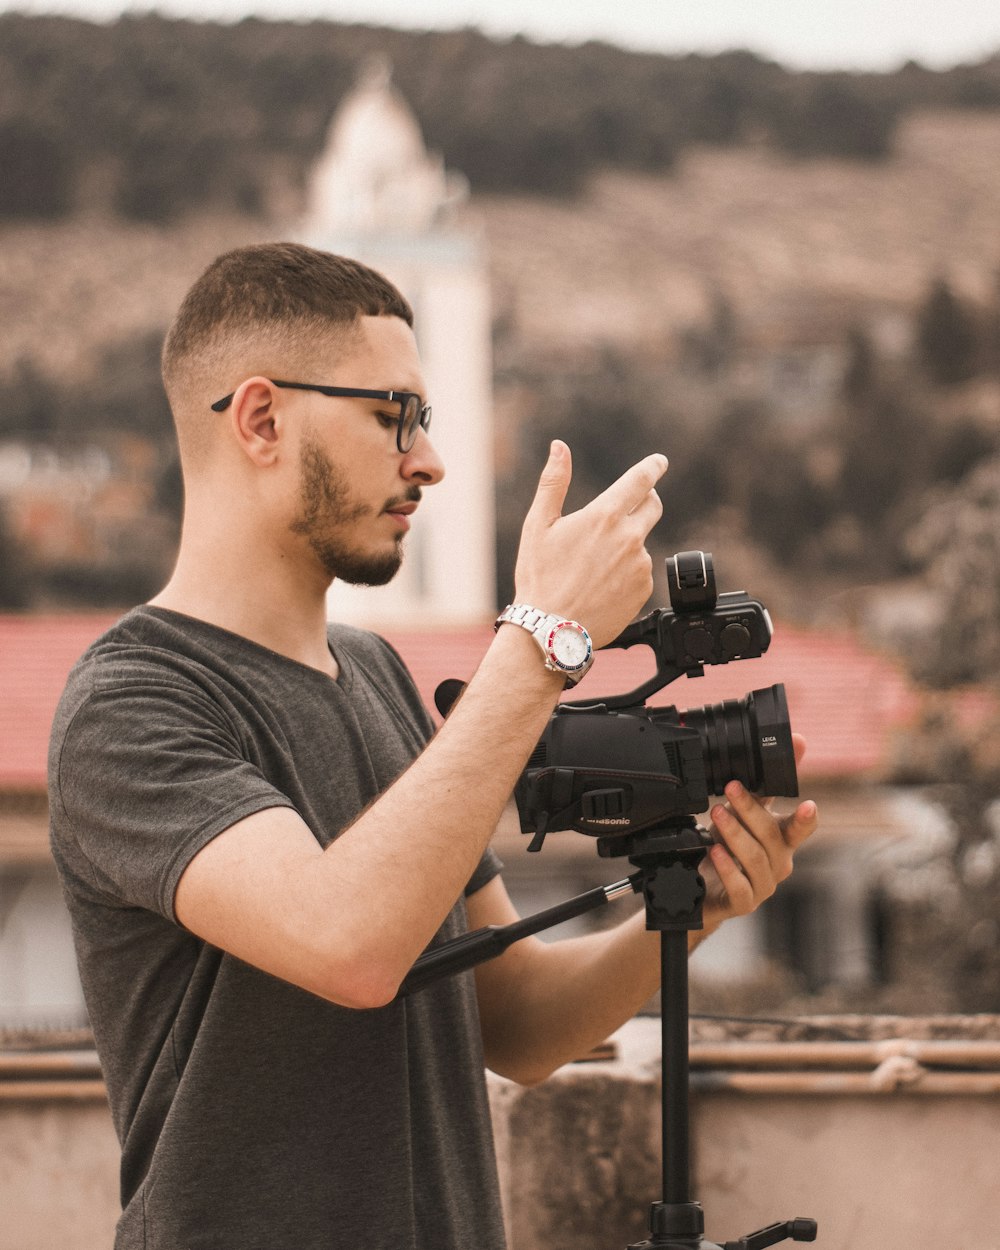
255	419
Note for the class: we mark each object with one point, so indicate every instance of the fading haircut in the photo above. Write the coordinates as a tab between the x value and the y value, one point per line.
273	293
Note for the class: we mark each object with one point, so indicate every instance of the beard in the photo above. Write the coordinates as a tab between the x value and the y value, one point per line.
328	509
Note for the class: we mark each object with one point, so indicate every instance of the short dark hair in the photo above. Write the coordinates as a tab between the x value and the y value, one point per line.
270	286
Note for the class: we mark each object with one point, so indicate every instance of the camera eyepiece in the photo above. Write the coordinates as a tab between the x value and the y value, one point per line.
691	581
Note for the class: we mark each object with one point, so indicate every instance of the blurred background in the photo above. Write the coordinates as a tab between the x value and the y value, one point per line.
768	246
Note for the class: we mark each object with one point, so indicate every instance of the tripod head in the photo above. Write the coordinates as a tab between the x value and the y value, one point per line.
669	862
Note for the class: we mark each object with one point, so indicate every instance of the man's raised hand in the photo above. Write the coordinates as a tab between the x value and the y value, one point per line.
592	565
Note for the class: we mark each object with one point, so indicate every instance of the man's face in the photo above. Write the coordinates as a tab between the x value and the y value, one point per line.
356	489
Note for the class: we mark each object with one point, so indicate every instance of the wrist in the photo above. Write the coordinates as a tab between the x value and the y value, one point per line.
517	652
566	646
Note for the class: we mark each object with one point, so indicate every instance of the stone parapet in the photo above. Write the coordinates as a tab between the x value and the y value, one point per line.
885	1131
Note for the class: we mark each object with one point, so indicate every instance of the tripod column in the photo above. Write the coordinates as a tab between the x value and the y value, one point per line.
674	1091
674	893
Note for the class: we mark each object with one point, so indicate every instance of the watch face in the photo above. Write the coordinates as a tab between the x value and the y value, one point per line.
569	646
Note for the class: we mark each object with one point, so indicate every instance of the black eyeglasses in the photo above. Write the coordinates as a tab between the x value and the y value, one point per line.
414	414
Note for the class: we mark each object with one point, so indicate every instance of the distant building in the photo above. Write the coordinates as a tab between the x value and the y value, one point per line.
378	195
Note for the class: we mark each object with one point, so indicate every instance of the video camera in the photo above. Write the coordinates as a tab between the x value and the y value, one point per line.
616	767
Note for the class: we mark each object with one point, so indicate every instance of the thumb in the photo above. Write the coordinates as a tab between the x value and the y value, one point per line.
553	484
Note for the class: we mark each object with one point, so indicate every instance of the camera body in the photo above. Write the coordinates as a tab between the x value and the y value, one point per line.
619	767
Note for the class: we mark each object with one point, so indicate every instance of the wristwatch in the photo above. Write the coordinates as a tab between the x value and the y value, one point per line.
566	645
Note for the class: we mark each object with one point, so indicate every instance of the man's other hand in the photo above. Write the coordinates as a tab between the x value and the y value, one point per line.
753	851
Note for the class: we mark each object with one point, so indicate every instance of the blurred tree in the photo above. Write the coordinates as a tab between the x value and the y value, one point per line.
959	446
834	115
976	86
946	336
130	396
123	416
939	895
710	349
39	172
991	331
193	114
861	374
762	471
16	580
886	447
957	545
29	404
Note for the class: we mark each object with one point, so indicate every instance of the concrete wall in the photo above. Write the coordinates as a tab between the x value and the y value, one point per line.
58	1173
892	1172
886	1163
893	1156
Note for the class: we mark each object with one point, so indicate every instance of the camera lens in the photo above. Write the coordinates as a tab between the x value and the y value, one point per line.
747	740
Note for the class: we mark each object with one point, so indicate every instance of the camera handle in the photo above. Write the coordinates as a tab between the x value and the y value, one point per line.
646	631
668	876
471	949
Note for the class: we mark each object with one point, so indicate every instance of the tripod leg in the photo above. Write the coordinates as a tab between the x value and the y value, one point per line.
790	1230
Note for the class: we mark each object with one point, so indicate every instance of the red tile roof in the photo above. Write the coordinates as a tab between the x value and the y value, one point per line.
36	654
845	699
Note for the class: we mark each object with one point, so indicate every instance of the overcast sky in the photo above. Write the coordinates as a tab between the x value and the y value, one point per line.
848	34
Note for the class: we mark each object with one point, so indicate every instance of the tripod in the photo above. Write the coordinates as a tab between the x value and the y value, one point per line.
668	876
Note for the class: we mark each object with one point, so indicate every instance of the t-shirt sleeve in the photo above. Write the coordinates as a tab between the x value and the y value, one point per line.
145	774
489	866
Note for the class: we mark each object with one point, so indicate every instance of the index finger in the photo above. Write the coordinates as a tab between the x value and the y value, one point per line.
635	484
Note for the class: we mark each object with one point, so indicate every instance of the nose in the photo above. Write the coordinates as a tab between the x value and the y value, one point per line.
422	463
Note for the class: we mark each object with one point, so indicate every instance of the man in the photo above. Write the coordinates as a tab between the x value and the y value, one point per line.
258	836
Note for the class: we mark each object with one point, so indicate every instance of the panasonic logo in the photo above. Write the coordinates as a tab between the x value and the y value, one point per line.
609	820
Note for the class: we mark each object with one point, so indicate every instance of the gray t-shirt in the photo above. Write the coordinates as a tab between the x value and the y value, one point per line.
252	1114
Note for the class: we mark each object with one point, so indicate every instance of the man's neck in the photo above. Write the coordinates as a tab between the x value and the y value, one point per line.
273	611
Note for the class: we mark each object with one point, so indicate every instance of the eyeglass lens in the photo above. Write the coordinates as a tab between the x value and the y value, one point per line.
410	423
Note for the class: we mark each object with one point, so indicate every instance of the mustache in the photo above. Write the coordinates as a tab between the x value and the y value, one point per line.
412	494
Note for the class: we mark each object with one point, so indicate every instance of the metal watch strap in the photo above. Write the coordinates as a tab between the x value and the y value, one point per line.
527	617
533	620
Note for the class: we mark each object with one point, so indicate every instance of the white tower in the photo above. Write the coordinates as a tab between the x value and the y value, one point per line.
377	195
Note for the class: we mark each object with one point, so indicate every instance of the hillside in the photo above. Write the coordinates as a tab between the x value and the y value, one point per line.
177	115
631	262
637	258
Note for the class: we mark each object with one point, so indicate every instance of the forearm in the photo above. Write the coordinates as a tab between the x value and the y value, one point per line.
555	1001
409	856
